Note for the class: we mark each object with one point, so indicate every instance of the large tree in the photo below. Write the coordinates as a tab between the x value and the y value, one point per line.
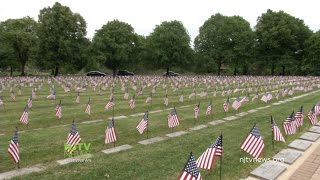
114	44
224	40
19	41
312	59
169	45
280	41
61	37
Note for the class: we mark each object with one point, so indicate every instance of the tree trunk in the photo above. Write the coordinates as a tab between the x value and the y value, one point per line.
235	71
23	64
167	74
114	73
56	72
11	70
272	69
283	70
219	68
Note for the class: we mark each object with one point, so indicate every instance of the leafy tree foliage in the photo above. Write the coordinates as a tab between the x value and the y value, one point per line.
225	40
114	44
169	45
61	38
18	41
280	41
312	58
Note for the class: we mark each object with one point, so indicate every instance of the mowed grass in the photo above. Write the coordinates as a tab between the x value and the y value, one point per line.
163	160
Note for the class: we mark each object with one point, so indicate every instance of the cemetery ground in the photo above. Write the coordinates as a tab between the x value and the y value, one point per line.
42	140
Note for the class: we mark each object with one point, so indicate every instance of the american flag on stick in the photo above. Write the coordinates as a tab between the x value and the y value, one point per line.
1	101
132	102
299	117
13	148
255	97
25	115
206	160
110	104
59	110
209	108
289	125
149	98
236	104
88	108
196	110
264	98
13	96
253	144
312	116
173	119
143	124
110	132
277	135
166	100
78	98
73	137
29	103
226	105
190	170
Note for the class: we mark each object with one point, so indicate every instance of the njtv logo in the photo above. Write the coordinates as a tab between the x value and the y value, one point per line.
77	149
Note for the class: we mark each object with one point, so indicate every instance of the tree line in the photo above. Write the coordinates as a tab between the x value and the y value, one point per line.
279	44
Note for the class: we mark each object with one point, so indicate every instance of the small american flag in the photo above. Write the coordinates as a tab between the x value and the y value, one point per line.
269	96
126	95
13	148
1	101
143	124
166	100
88	108
312	116
277	136
317	108
25	115
289	125
149	98
13	96
206	160
209	108
173	119
181	98
253	144
73	137
190	170
193	93
29	103
196	110
236	103
59	110
110	132
245	99
78	98
110	104
264	98
255	97
226	105
33	94
299	117
132	102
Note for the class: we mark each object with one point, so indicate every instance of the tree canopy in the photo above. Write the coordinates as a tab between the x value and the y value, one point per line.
280	41
114	44
61	37
19	39
169	45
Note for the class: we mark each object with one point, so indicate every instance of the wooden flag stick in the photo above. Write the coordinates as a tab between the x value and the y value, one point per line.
221	158
272	138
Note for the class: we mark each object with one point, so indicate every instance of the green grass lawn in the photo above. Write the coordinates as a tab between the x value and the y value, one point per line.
163	160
